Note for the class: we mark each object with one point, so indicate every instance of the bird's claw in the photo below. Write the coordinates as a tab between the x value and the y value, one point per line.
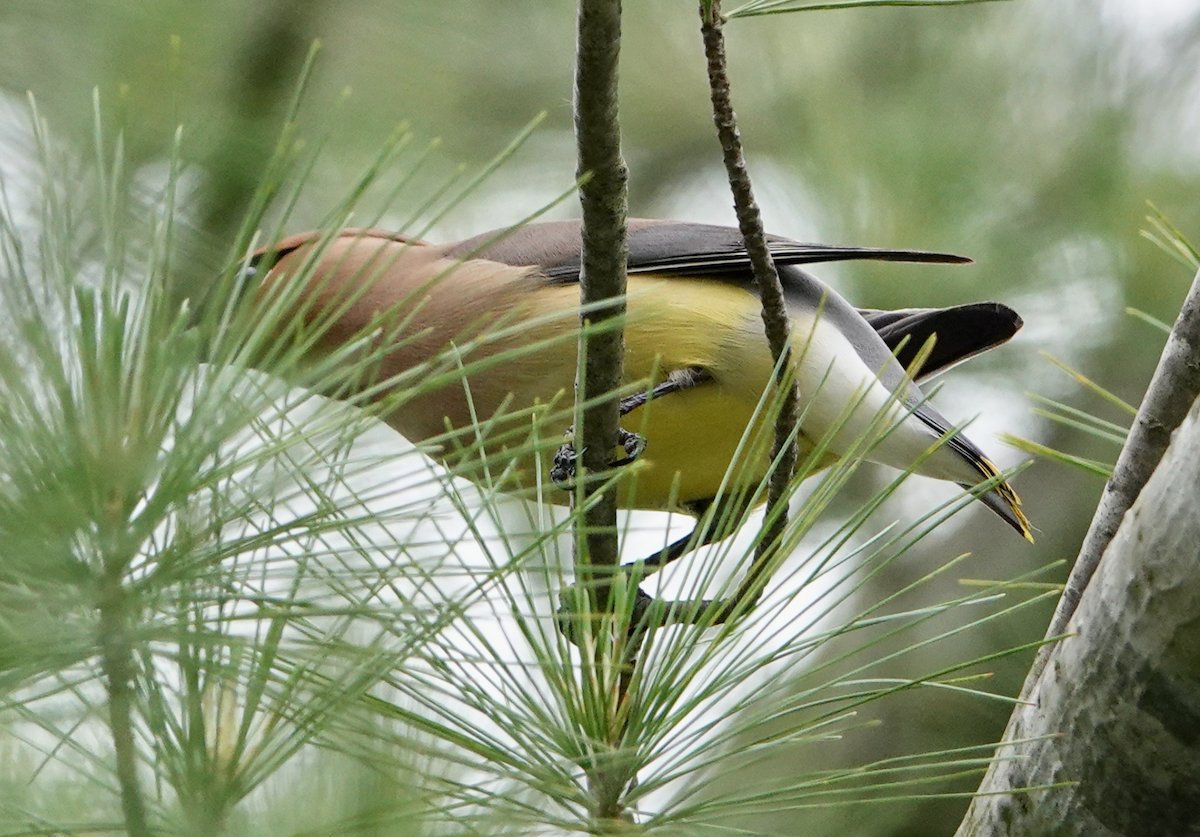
633	443
562	472
572	608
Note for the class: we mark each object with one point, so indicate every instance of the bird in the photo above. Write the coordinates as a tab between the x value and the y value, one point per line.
492	324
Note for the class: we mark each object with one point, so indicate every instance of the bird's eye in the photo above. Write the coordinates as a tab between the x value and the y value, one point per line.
246	279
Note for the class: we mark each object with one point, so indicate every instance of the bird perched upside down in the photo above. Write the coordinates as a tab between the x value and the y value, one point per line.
693	331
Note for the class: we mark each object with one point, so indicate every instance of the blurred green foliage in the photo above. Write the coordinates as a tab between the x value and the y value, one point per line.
1027	135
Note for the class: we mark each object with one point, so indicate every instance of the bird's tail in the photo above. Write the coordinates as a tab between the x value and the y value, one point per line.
1001	498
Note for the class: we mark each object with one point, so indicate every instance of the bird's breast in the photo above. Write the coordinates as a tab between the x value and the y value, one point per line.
692	436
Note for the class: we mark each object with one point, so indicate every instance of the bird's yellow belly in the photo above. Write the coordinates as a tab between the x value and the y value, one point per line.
691	436
691	440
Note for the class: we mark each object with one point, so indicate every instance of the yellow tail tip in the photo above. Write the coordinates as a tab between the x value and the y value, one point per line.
1010	510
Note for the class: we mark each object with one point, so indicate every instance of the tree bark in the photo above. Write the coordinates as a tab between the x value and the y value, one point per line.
1114	720
602	277
776	323
1175	385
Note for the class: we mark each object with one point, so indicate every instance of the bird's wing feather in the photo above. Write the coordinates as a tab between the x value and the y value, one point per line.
681	248
668	247
963	331
701	249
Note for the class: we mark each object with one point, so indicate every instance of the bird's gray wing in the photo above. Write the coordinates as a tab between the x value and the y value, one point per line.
671	247
702	249
681	248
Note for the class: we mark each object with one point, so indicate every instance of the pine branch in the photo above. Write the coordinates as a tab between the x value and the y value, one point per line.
1112	719
1046	696
1173	388
774	310
602	278
116	661
604	178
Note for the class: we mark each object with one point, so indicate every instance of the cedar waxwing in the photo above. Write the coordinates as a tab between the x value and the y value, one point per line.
693	331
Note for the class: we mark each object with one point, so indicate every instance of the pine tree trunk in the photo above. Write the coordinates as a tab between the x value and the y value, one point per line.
1115	718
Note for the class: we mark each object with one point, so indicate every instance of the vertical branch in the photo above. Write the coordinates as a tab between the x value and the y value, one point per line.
1173	390
1105	743
116	661
602	280
774	310
1173	387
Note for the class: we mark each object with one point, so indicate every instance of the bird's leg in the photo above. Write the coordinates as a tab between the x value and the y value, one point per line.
702	534
707	611
687	378
562	472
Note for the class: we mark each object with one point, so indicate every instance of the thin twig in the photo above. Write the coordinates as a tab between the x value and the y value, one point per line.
116	661
602	280
774	310
1173	388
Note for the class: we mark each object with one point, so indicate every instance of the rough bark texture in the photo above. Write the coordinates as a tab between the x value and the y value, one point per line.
1117	709
1175	385
602	279
116	661
605	253
774	311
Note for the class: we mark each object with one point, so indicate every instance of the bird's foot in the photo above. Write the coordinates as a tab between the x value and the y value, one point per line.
562	472
632	443
641	615
572	609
